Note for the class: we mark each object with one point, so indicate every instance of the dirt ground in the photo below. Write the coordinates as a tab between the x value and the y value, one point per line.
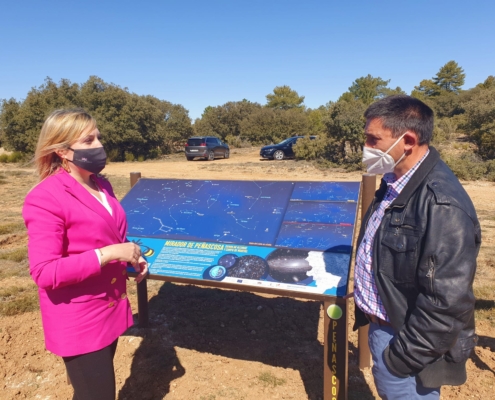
211	344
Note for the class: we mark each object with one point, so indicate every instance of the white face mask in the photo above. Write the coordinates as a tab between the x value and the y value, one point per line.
379	162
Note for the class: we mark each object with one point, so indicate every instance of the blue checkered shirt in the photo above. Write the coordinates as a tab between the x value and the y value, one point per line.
365	290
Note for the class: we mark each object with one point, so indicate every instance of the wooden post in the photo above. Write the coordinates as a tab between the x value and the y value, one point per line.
335	358
367	193
135	176
142	287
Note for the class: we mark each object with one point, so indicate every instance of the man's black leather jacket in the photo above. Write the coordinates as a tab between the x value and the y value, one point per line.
424	261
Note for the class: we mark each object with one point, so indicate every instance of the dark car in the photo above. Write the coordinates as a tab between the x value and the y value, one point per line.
207	147
281	150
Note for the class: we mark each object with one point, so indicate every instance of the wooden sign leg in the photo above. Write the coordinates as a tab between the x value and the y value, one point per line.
142	298
368	192
142	287
335	359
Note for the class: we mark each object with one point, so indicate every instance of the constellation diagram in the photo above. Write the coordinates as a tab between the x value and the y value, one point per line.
241	212
326	191
321	212
320	216
314	236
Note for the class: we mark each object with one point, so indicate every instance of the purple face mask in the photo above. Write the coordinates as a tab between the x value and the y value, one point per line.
92	160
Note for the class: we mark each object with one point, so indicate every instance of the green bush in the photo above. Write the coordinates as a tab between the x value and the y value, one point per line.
129	156
140	158
237	142
439	136
307	149
113	155
14	157
470	166
329	153
155	153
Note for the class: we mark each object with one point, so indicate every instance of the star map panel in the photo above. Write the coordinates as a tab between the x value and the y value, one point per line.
295	236
244	212
321	212
310	236
326	191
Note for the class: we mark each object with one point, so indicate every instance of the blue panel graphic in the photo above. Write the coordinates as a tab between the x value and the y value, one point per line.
244	212
321	212
294	236
323	237
326	191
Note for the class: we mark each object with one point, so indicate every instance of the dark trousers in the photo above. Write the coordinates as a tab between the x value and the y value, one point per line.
92	375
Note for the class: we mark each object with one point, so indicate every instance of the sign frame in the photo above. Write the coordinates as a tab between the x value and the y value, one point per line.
336	313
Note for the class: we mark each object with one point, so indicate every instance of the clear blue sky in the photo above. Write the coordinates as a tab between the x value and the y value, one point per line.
201	53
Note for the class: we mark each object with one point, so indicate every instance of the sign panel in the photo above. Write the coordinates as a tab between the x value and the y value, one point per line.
289	235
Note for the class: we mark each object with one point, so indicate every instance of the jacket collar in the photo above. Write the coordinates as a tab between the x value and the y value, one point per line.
88	200
416	180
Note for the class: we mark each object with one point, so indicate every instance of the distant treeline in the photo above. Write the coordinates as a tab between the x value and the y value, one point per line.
133	127
139	127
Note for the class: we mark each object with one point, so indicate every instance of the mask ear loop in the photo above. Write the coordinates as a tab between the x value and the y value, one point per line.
399	160
397	141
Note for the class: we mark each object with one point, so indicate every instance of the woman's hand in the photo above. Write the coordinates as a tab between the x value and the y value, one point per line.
141	269
128	252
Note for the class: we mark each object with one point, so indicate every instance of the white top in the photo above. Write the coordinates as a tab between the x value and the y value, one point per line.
104	202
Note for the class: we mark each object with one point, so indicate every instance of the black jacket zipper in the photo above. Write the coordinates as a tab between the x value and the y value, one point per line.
431	276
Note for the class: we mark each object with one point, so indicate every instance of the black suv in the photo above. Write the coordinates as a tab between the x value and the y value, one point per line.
281	150
207	147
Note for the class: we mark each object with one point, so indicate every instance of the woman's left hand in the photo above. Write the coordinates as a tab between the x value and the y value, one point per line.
142	269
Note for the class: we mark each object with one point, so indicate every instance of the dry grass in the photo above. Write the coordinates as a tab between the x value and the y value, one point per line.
485	304
16	300
17	255
268	379
6	229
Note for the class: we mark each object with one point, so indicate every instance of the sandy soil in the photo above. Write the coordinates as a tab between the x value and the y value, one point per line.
211	344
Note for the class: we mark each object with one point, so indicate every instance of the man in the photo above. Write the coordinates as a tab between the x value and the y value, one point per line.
416	257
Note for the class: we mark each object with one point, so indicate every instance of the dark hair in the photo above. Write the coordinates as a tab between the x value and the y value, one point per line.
401	113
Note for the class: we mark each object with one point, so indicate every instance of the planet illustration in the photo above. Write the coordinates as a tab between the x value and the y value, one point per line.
249	267
228	260
215	273
288	265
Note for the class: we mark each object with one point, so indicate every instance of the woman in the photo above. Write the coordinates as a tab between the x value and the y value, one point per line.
78	252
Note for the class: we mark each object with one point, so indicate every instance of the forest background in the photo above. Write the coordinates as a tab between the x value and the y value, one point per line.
137	127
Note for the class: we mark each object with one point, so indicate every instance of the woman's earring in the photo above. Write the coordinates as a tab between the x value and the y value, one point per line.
65	164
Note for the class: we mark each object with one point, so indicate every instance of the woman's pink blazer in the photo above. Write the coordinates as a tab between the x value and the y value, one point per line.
83	307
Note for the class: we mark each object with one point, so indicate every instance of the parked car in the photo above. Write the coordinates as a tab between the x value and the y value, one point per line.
207	147
281	150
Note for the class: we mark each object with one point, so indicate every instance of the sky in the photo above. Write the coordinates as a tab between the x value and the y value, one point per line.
206	53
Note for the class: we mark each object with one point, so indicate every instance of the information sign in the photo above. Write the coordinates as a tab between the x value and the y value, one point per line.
295	236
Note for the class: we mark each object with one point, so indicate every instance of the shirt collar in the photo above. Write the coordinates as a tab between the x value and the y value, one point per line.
398	184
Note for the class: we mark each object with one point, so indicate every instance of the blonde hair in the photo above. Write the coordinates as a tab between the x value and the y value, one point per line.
61	129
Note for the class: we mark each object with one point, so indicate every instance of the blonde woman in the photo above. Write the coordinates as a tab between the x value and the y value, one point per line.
78	252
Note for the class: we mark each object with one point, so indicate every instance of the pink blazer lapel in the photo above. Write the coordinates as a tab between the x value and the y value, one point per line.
88	200
118	213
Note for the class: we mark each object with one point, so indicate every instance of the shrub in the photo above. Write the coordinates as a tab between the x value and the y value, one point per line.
307	149
469	166
237	142
113	155
155	152
14	157
129	156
